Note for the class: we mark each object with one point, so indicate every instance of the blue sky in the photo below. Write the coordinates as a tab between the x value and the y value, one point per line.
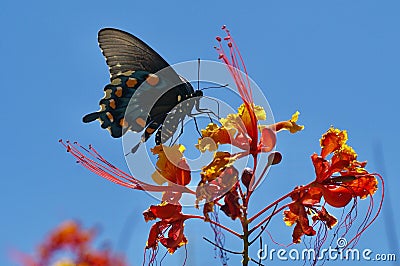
337	62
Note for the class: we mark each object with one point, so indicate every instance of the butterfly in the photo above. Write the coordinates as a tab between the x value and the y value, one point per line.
143	90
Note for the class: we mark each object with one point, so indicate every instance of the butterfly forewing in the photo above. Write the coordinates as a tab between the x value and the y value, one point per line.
124	52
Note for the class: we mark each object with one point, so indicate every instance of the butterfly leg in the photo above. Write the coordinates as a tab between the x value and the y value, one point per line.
179	135
197	126
205	111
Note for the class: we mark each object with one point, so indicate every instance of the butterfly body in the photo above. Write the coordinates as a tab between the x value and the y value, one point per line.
143	90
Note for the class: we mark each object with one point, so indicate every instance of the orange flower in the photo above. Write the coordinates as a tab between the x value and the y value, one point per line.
172	220
305	203
234	130
298	213
171	165
232	206
353	180
217	178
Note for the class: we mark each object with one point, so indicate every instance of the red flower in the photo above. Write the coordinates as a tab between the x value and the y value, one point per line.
298	213
232	207
172	220
217	178
338	180
353	180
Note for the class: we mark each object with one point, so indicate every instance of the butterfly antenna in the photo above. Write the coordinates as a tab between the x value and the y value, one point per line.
198	79
215	87
198	73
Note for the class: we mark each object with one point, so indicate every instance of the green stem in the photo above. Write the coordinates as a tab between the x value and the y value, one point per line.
246	234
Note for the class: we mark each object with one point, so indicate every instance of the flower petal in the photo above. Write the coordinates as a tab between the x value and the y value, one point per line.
212	136
268	139
175	238
290	125
324	216
221	161
163	211
332	141
337	196
171	165
232	207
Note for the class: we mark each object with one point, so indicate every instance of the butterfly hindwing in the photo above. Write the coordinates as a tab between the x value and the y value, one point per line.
117	97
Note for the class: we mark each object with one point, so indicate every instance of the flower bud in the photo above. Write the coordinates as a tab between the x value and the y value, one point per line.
274	158
246	177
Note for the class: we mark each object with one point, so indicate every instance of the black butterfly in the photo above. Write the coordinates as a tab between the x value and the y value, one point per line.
134	64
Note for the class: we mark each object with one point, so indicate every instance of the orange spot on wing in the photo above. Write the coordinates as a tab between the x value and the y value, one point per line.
118	92
140	121
123	123
110	116
131	82
152	79
150	130
112	104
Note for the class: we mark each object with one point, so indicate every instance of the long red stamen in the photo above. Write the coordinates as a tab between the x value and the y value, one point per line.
97	164
235	64
355	238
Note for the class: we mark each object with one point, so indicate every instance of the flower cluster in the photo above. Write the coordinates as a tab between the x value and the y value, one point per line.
340	178
70	237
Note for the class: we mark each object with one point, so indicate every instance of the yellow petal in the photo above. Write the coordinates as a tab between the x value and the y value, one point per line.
260	112
295	127
295	116
221	161
213	135
205	144
232	121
